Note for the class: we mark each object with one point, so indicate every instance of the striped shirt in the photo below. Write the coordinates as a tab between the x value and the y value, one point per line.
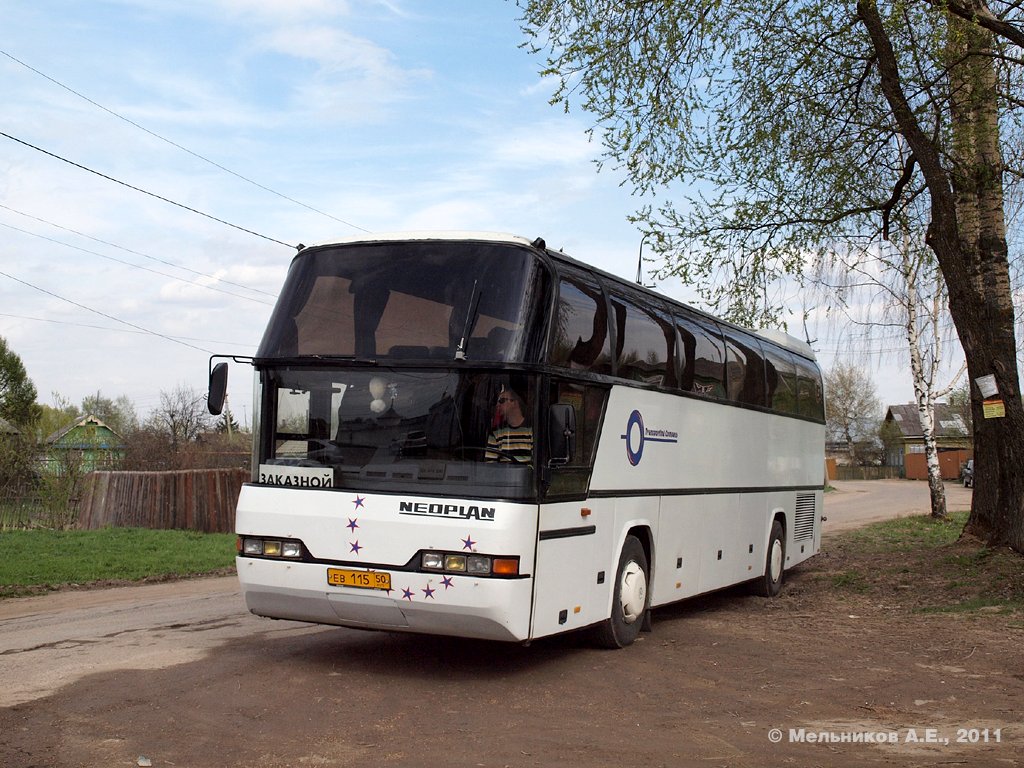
510	444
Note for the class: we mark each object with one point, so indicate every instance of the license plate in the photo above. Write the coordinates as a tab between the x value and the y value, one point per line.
343	577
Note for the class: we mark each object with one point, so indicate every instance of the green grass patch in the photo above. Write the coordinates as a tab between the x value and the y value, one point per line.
909	533
977	604
34	561
926	566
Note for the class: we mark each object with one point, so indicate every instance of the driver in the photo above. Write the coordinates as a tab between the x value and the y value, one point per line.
511	439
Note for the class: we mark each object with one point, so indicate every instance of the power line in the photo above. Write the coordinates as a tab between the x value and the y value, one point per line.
135	266
135	253
179	146
118	330
104	314
143	191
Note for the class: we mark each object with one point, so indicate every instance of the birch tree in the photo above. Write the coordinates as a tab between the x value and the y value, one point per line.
924	335
895	295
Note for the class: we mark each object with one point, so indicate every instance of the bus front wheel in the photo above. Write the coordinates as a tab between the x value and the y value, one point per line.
629	599
770	584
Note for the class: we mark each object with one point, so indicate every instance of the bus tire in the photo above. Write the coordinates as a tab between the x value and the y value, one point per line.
770	583
629	598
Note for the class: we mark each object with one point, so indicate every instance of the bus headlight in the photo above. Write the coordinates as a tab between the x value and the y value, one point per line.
252	546
455	563
433	561
470	564
272	548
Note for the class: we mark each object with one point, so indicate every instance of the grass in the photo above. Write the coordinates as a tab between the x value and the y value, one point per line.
35	561
910	533
927	566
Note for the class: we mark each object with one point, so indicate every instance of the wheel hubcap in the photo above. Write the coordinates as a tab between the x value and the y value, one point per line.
633	592
776	561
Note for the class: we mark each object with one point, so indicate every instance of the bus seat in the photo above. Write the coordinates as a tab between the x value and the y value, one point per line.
493	346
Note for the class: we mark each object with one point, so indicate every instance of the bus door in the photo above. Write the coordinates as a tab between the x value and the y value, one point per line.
574	531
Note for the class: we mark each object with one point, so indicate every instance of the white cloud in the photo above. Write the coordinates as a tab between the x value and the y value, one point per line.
544	144
286	10
354	78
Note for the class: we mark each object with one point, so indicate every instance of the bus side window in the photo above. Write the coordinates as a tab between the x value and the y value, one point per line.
744	368
580	338
780	373
809	394
703	357
645	341
589	403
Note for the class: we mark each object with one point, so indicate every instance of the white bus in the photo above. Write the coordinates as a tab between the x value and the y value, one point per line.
656	453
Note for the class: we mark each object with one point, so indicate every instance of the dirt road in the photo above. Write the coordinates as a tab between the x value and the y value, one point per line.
179	674
858	502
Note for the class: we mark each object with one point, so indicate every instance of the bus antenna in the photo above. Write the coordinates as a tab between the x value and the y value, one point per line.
640	262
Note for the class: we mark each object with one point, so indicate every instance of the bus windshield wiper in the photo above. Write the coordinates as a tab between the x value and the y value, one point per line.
471	314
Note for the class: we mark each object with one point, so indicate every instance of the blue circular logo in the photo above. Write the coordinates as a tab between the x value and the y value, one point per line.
635	424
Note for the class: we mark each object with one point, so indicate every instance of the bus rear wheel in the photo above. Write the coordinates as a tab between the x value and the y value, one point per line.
770	584
629	598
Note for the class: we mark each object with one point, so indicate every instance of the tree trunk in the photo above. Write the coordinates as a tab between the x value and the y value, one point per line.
937	491
985	321
968	236
924	384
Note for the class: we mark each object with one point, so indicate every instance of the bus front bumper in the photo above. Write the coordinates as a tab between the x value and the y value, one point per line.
438	604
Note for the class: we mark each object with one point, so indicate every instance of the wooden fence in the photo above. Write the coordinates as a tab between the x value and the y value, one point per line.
866	473
196	500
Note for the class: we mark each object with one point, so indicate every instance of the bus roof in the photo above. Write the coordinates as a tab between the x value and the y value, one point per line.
455	234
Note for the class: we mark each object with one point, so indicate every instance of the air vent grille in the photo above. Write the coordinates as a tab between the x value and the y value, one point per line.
805	513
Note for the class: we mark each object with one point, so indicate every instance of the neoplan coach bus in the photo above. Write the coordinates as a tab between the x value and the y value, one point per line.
657	453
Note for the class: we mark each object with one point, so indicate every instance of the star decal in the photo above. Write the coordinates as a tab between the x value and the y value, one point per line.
429	592
447	581
468	543
359	501
352	524
356	546
407	594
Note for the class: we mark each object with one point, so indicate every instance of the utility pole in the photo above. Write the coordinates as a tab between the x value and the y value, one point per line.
227	413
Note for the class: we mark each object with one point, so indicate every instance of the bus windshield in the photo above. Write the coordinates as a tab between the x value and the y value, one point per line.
399	430
424	300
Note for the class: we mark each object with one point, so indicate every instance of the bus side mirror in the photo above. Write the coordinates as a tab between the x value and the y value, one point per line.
561	433
218	388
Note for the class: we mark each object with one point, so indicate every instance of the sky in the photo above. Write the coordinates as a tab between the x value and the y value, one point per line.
289	121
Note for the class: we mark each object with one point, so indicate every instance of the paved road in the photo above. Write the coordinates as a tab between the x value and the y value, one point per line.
48	642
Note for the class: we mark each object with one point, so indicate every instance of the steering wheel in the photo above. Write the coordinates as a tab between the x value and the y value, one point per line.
484	450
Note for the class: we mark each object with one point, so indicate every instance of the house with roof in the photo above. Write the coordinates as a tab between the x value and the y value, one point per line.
86	444
906	444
